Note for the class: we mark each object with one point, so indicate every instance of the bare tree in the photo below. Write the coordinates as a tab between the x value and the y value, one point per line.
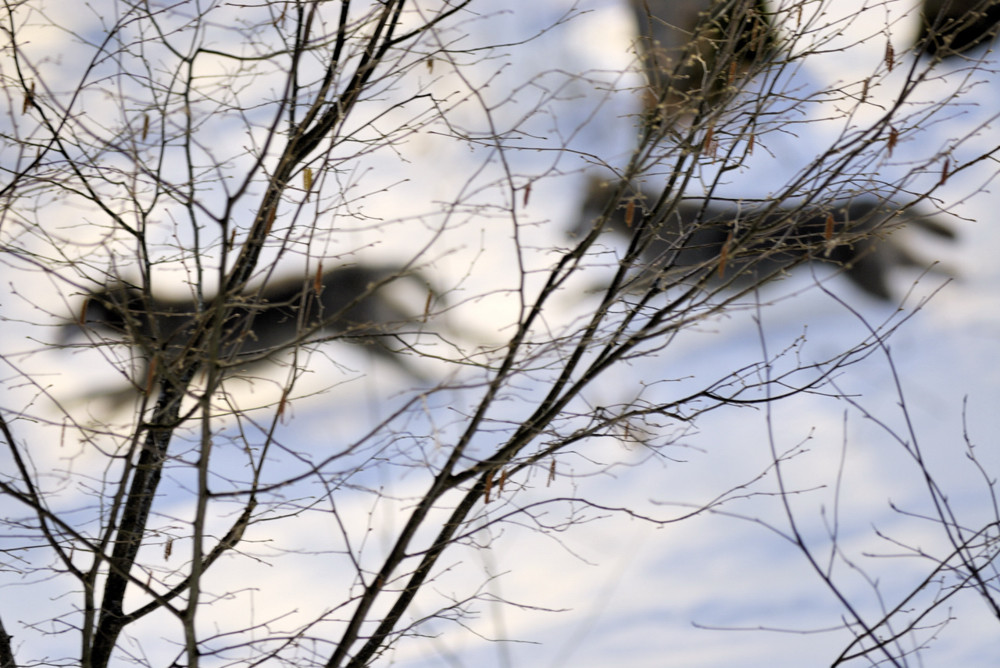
200	198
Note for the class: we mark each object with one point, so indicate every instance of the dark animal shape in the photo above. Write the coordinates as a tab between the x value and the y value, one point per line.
950	27
759	241
351	303
692	49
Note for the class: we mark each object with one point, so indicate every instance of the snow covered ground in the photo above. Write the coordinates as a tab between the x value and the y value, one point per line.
719	590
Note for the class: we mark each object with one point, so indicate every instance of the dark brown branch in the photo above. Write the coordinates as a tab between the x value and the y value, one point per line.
132	525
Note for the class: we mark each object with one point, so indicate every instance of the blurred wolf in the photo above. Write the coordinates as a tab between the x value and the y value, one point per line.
949	28
354	303
691	50
757	241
